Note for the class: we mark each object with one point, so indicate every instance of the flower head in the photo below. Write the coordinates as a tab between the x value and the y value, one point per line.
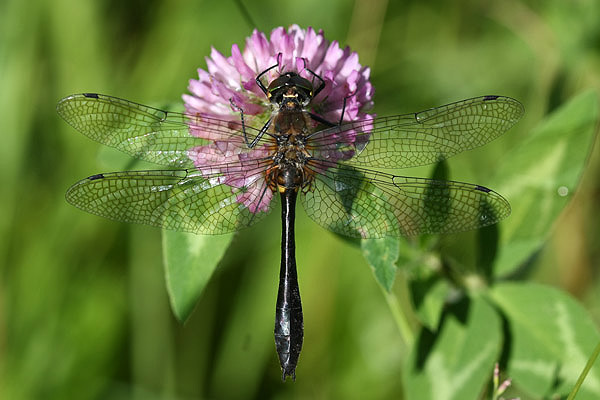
230	86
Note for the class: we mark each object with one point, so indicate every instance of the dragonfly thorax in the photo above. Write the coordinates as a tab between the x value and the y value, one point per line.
290	94
291	122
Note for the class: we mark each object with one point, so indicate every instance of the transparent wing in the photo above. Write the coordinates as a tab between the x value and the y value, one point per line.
421	138
144	132
181	200
361	203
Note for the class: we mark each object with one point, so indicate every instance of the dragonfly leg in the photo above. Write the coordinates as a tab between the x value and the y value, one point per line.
259	83
321	120
262	131
344	107
317	91
329	124
321	85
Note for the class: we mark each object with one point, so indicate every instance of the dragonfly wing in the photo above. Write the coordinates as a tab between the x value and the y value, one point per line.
179	200
368	204
144	132
420	138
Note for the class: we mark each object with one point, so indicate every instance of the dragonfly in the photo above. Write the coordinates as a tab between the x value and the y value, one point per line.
334	169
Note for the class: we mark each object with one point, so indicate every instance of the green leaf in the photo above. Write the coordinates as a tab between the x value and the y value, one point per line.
428	298
552	338
541	175
458	361
382	254
190	261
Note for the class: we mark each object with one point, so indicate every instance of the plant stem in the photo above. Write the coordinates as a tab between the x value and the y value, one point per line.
400	317
585	371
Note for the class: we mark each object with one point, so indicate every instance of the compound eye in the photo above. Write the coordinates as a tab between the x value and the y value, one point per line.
278	83
303	84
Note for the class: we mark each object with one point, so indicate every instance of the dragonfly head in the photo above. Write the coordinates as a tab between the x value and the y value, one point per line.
290	91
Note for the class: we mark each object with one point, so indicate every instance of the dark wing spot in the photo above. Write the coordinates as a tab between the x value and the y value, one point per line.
490	98
95	177
483	189
91	95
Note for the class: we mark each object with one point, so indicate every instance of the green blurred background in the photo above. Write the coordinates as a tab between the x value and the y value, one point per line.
83	308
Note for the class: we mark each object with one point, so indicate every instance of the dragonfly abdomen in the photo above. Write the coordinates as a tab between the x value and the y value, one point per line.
289	323
289	335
